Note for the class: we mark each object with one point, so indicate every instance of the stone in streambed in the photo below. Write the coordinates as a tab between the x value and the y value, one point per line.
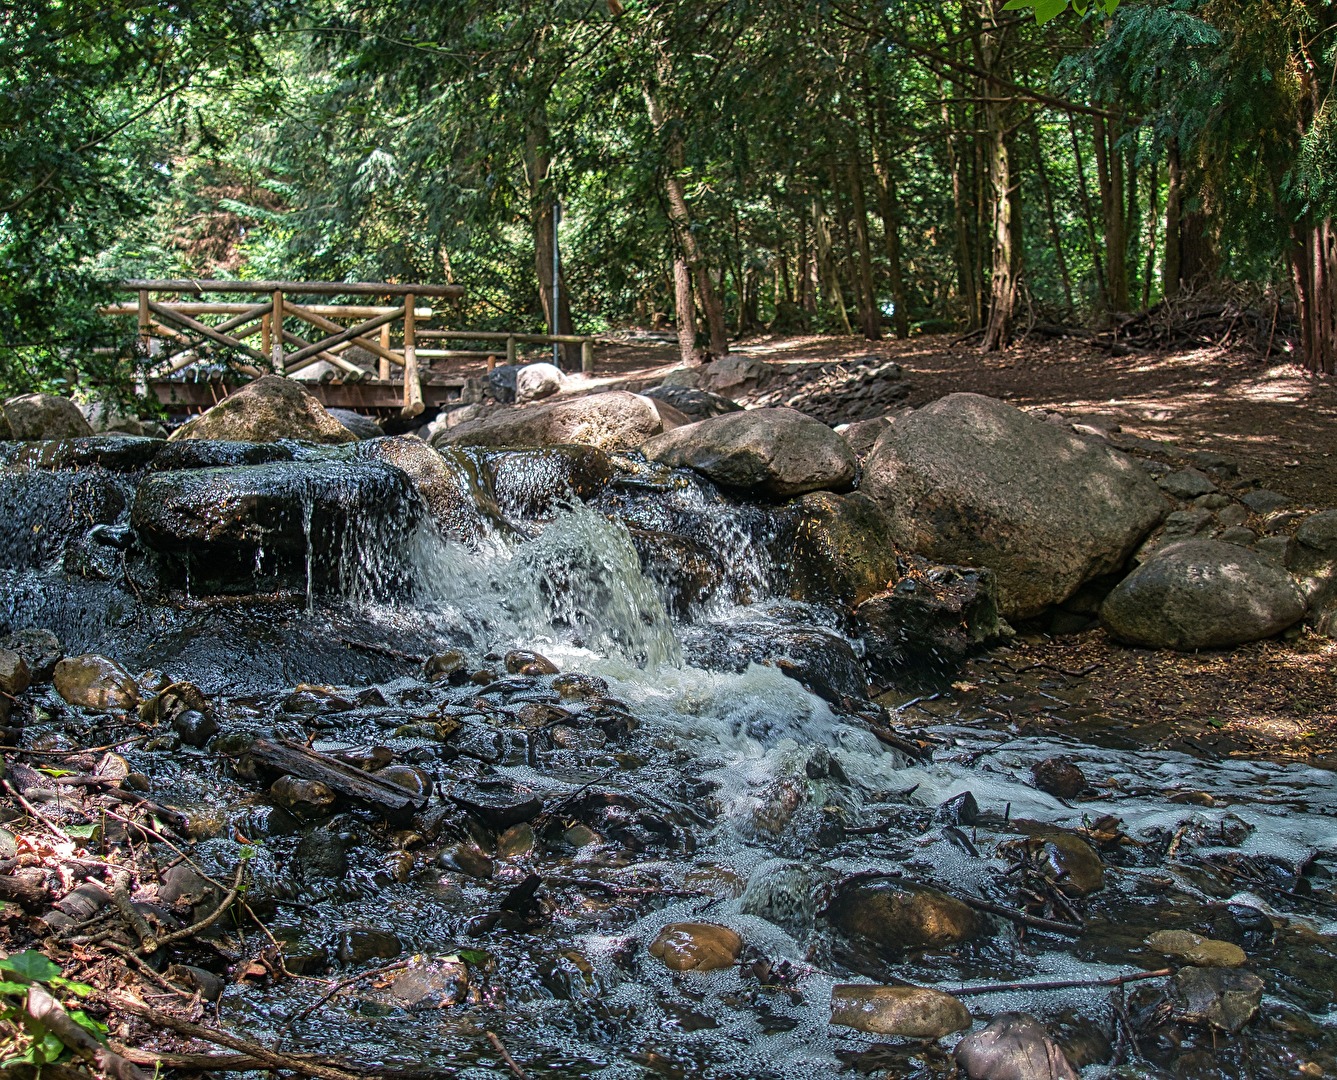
448	488
1196	949
1202	594
1059	777
972	481
271	408
217	454
838	547
360	944
911	1012
533	484
775	452
14	674
496	804
901	916
1013	1047
693	403
1067	860
195	728
41	651
696	946
364	427
1222	998
306	796
449	665
95	682
524	662
614	420
44	416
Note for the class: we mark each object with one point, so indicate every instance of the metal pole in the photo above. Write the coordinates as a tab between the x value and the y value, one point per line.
556	282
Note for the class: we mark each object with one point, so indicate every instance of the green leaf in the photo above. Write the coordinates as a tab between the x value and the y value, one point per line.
13	988
77	988
93	1027
1049	9
52	771
31	965
81	832
476	957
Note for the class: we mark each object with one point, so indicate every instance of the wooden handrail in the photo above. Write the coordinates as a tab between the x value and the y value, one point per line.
309	288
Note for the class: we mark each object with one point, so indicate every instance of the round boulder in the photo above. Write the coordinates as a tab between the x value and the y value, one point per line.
973	481
95	682
1202	594
1013	1047
271	408
533	382
696	947
899	915
45	416
912	1012
776	452
616	420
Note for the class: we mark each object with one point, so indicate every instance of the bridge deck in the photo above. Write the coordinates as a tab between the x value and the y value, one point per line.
370	396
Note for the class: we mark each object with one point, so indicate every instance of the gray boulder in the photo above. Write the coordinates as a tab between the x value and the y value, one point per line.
735	374
1013	1047
109	418
533	382
974	482
446	487
271	408
616	420
45	416
777	452
364	427
697	404
1202	594
862	435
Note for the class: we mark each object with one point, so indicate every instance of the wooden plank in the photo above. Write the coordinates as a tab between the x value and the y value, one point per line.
360	330
329	325
207	331
502	335
330	311
330	358
294	759
383	369
301	288
368	396
413	403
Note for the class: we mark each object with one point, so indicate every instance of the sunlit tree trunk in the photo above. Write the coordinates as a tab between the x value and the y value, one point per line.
1003	276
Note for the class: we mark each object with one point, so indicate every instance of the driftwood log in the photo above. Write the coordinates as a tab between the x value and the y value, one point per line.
348	780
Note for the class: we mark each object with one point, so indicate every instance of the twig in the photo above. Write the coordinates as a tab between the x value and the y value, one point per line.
36	814
1060	984
342	984
1033	921
505	1054
204	923
49	1013
73	753
120	897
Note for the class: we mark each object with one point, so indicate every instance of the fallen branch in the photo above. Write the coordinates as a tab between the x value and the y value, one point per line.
1060	984
342	984
51	1014
1035	922
120	897
207	921
505	1054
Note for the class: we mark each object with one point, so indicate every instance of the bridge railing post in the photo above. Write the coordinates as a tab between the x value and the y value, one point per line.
413	404
276	333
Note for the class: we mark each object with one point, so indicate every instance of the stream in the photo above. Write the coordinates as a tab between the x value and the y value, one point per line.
665	776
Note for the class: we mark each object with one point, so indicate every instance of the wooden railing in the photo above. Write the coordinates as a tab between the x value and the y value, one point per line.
177	321
512	340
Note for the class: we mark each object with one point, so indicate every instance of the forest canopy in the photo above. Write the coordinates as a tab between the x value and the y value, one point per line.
721	167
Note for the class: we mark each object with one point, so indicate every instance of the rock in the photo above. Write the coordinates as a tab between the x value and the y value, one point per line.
614	420
448	665
272	407
1233	514
195	728
972	481
496	804
735	374
467	859
911	1012
693	403
862	435
323	852
1312	558
1059	777
46	516
412	780
432	984
358	945
14	674
836	547
926	625
787	893
1238	535
900	916
1222	998
1186	484
696	947
1263	501
217	454
531	485
533	382
364	427
45	416
820	659
962	809
183	887
307	796
1196	949
1067	860
307	699
40	649
107	417
524	662
115	453
312	522
1202	594
446	486
775	452
94	682
1013	1047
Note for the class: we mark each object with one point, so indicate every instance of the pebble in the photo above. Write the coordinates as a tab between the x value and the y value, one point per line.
467	859
1013	1047
432	984
691	946
1221	998
447	665
912	1012
308	700
524	662
1196	949
95	682
194	727
1059	777
360	944
409	778
308	796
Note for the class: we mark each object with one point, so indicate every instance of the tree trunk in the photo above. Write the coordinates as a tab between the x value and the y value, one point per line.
1174	194
1003	277
967	284
1314	272
1088	213
1131	218
1109	173
1043	173
538	161
1153	197
685	311
870	317
889	210
826	264
807	282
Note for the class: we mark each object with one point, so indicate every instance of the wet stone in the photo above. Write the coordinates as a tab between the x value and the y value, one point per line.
1221	998
911	1012
901	916
324	853
305	796
691	946
1013	1047
524	662
14	674
194	727
467	859
358	945
433	984
306	700
1068	861
447	665
1059	777
958	810
95	682
496	804
41	651
409	778
1196	949
573	686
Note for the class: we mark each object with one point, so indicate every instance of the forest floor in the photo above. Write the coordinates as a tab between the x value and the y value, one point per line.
1274	699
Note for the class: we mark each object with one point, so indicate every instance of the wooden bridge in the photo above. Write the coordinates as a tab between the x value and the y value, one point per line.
174	332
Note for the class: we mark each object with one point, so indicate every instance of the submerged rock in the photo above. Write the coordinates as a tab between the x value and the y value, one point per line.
900	915
836	547
1013	1047
818	658
307	796
95	682
271	408
1067	860
530	485
1059	777
115	453
45	514
615	420
446	489
912	1012
972	481
1222	998
692	946
1196	949
1202	594
775	452
44	416
217	454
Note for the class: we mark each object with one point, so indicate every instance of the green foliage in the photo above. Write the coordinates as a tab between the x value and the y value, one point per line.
27	1041
1051	9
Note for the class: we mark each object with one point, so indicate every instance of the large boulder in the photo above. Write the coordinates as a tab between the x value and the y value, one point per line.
900	916
697	404
45	416
1202	594
616	420
533	382
109	417
271	408
364	427
1013	1047
776	452
449	488
973	481
835	548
